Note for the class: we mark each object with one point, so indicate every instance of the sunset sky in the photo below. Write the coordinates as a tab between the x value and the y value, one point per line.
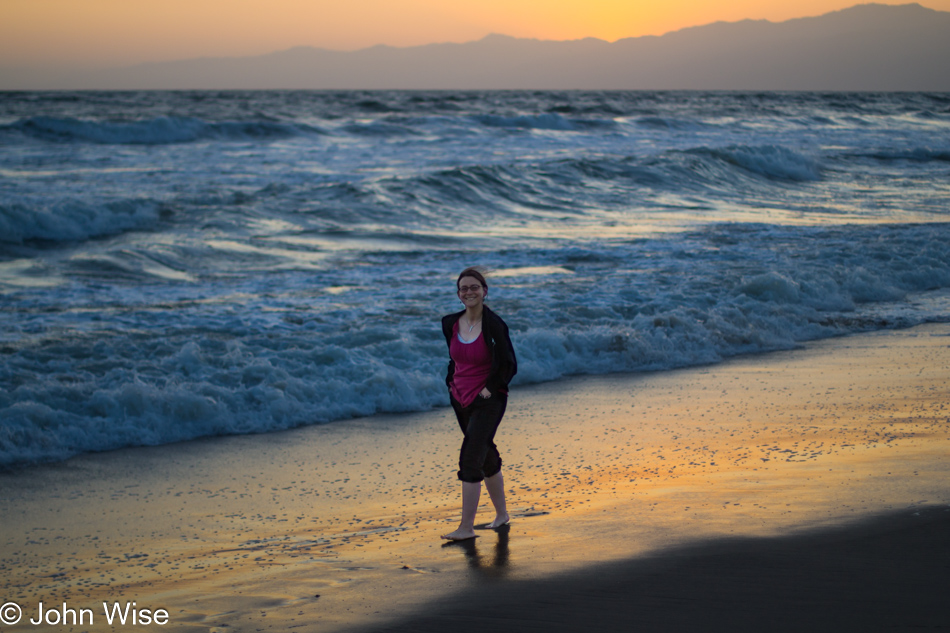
37	33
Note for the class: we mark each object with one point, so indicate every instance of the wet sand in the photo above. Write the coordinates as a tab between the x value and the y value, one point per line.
663	494
888	573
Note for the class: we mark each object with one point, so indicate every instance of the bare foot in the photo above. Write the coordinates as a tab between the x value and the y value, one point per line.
499	521
459	535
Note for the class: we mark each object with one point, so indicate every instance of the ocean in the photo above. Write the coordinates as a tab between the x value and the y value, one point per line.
183	264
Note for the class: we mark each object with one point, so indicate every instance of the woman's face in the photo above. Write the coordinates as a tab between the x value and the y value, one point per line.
471	291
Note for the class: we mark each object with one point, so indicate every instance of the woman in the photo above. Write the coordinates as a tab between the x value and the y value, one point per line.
482	363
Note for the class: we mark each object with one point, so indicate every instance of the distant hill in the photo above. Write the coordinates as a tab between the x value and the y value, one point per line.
867	47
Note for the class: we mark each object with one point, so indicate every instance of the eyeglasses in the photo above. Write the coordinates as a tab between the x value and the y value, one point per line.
474	288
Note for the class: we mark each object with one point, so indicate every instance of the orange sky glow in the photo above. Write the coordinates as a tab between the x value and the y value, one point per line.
88	33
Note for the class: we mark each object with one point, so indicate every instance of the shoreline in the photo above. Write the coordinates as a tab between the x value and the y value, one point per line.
25	468
243	532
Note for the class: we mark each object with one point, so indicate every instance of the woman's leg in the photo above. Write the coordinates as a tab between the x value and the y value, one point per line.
494	481
471	493
478	454
496	490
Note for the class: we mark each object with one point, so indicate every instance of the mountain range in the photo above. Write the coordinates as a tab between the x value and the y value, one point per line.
869	47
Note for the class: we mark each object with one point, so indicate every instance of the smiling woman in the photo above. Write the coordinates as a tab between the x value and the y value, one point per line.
482	363
73	34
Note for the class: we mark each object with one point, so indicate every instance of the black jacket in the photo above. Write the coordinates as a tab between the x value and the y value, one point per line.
504	366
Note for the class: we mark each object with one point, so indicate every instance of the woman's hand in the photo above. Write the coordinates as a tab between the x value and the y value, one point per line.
485	393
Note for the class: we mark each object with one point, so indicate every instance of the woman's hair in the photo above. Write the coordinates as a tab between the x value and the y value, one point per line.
472	272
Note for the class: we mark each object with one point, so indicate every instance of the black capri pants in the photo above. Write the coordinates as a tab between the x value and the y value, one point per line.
479	456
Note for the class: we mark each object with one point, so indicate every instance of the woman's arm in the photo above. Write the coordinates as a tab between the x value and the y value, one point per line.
504	362
448	321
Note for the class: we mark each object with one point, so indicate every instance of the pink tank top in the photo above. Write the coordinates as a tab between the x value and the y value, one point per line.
472	367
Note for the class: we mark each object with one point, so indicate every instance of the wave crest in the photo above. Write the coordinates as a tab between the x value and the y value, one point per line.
75	221
772	161
157	131
547	121
917	155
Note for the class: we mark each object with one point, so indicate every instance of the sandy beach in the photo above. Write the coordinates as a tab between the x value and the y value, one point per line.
798	490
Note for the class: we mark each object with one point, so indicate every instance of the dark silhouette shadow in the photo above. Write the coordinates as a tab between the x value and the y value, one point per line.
885	573
494	566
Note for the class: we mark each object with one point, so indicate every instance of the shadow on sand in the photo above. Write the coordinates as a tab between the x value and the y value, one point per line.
890	572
